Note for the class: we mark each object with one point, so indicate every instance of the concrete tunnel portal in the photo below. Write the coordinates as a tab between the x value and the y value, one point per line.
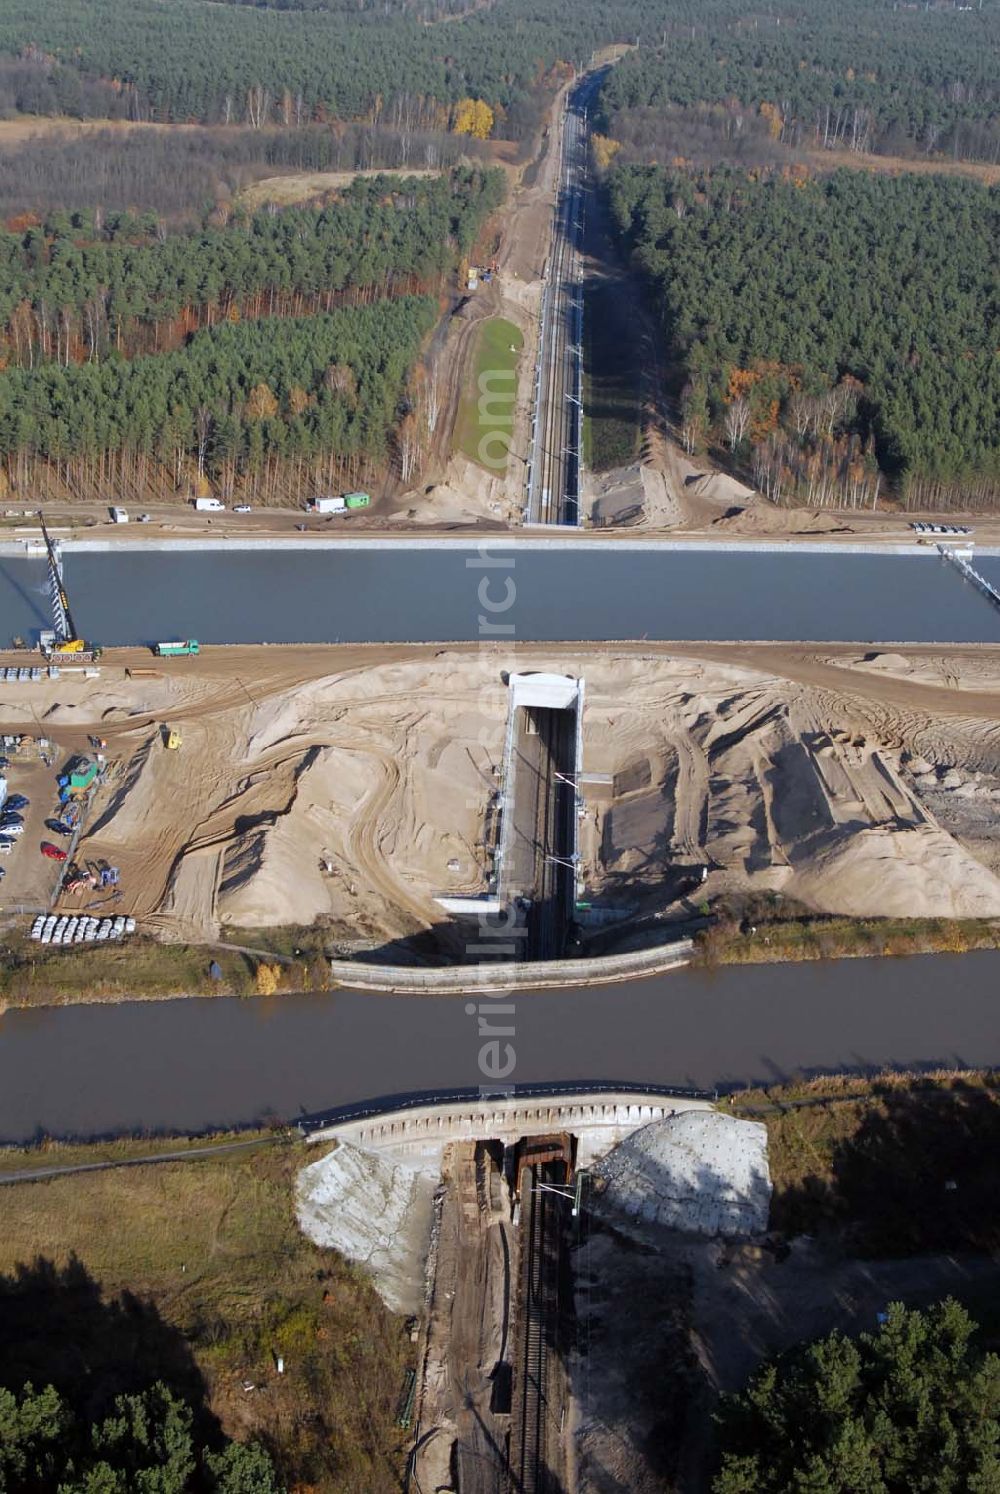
536	854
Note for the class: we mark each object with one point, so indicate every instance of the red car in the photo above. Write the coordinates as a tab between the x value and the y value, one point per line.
52	852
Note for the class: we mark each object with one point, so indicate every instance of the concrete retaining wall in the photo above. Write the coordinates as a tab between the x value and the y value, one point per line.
507	541
417	1137
538	975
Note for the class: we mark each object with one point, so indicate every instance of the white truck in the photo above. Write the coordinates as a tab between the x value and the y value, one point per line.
119	515
327	506
209	505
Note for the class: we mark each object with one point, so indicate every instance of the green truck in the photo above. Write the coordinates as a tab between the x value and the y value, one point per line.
175	650
357	500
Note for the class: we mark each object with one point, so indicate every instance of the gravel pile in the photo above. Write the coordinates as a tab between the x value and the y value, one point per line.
375	1213
700	1172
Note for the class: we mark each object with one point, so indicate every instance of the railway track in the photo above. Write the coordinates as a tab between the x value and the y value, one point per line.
554	483
553	877
539	1292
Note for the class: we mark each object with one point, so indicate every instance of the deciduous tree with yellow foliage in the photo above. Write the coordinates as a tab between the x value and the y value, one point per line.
605	150
472	117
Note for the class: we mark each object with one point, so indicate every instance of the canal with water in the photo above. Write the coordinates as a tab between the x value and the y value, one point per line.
404	591
202	1064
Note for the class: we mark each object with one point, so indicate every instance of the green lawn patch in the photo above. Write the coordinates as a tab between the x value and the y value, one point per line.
892	1164
611	396
34	974
486	413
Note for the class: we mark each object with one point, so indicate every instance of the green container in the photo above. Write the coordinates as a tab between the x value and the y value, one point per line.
357	500
83	778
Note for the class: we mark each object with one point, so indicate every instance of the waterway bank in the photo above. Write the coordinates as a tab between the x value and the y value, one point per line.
536	538
217	1064
796	942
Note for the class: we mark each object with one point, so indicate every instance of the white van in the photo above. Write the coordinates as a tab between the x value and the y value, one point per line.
119	515
209	505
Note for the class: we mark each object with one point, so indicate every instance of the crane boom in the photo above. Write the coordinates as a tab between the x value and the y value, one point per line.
62	617
64	639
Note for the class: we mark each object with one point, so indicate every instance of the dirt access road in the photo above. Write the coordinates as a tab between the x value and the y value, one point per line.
454	489
463	1418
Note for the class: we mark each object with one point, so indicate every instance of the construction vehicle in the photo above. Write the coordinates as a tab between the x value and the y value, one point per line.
176	650
62	639
172	738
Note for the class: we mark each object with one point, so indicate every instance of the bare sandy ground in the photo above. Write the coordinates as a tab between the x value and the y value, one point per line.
454	490
693	498
351	786
282	191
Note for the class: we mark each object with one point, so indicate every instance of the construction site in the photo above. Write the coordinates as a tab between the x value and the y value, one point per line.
488	1214
385	795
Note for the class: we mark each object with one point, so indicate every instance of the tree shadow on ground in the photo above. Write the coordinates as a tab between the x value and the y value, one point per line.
57	1328
918	1174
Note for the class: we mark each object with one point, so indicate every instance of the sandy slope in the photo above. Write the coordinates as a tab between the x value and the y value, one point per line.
352	786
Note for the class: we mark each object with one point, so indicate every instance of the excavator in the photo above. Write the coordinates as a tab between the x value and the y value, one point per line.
63	639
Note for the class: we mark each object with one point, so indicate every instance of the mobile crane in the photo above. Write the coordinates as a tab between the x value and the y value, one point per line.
63	638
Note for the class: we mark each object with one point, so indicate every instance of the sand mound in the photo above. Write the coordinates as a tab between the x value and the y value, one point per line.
699	1172
273	873
890	663
916	873
354	796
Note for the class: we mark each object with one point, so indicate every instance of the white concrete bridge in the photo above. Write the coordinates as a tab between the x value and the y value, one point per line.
417	1136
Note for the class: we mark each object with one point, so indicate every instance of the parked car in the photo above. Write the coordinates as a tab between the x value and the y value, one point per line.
11	831
143	519
52	852
59	827
16	801
6	846
11	817
242	508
